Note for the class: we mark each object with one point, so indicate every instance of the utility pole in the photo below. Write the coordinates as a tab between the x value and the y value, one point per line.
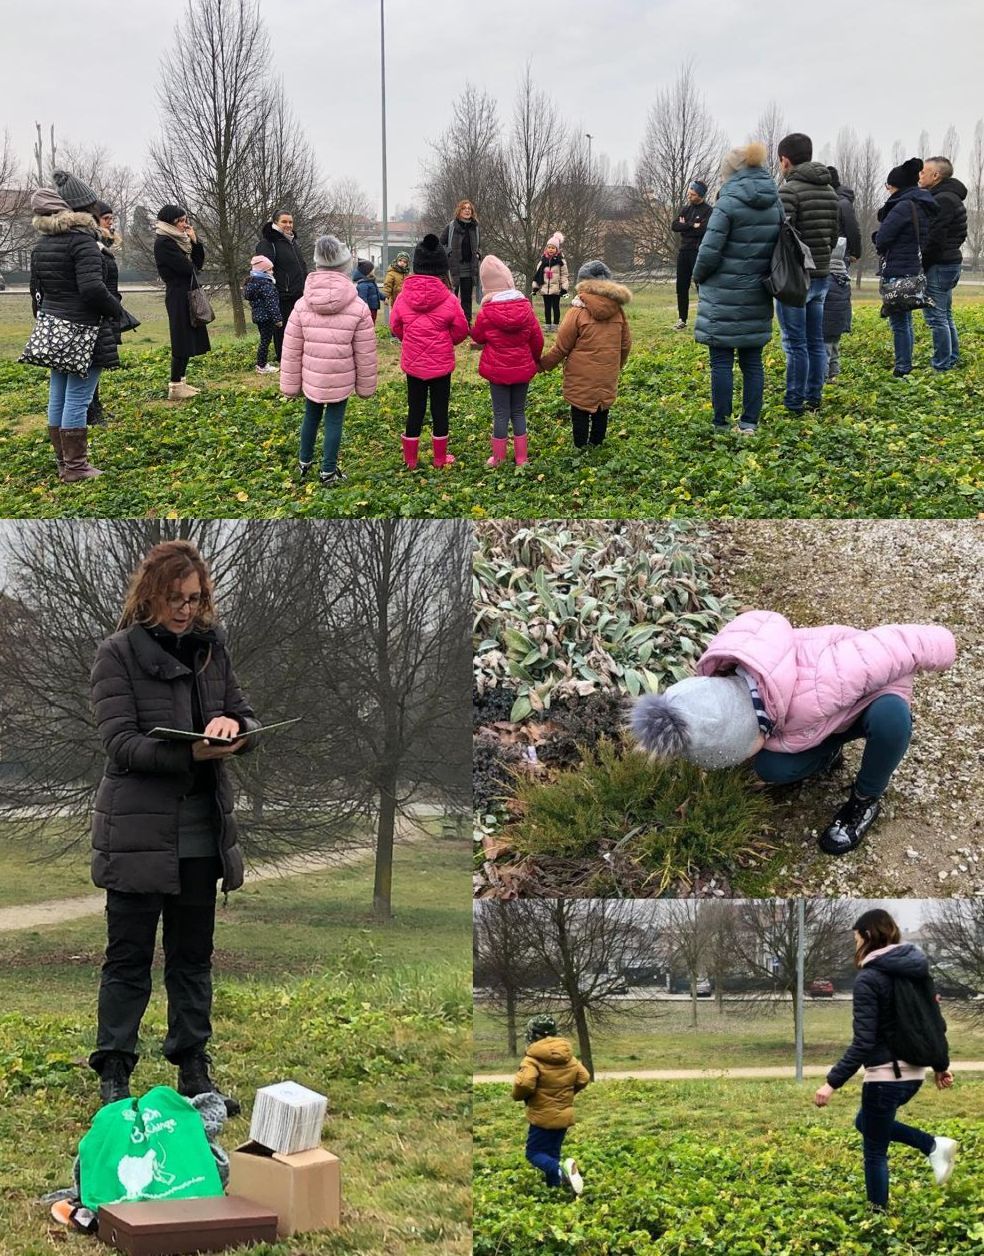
800	964
382	77
590	167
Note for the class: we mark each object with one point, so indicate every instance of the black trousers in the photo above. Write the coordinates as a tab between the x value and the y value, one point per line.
588	427
463	290
286	305
124	991
179	367
439	391
551	310
686	260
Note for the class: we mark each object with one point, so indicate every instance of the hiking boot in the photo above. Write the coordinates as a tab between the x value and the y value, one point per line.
572	1175
941	1159
194	1079
680	324
849	825
75	449
114	1080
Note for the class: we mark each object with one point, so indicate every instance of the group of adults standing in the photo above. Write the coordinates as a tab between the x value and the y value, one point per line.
727	252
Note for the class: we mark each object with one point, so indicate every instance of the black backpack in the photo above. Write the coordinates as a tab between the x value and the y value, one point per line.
790	267
917	1030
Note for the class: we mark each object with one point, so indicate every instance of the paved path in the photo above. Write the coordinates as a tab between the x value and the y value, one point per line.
783	1071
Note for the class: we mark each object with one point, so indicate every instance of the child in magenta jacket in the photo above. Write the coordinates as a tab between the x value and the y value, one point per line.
429	321
788	699
510	331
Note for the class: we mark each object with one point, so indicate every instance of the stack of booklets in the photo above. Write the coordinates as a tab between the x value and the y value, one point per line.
288	1118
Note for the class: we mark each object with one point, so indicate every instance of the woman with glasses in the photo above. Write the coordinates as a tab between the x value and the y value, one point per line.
163	831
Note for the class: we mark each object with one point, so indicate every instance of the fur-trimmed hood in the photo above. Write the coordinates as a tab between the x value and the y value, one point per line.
602	298
64	221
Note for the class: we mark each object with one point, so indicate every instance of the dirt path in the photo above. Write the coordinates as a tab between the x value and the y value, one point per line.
783	1071
60	910
929	840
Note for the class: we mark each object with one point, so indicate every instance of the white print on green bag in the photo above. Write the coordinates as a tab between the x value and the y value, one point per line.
136	1173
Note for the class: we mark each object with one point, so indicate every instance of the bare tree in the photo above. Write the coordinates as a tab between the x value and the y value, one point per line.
950	144
350	212
859	164
689	939
582	201
15	206
465	161
43	168
681	143
119	185
975	215
770	129
898	153
922	147
504	964
956	934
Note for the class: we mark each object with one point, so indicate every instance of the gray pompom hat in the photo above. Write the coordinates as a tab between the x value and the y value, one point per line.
331	254
595	269
75	193
708	720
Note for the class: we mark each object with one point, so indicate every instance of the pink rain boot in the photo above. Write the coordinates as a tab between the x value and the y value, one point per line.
441	456
519	449
500	447
411	447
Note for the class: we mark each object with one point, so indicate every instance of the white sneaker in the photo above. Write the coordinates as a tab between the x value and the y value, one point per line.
574	1178
680	324
941	1159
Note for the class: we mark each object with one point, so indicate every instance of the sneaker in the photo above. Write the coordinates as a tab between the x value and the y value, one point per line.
720	425
194	1079
329	478
114	1080
849	825
575	1181
900	374
941	1159
680	324
747	429
813	406
303	468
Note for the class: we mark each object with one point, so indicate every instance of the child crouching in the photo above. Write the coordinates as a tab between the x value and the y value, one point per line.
510	332
548	1079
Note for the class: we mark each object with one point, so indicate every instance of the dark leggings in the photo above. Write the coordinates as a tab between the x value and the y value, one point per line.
267	332
439	391
179	367
463	289
588	428
686	260
551	309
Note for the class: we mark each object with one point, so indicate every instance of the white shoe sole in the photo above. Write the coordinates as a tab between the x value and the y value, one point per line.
574	1178
944	1172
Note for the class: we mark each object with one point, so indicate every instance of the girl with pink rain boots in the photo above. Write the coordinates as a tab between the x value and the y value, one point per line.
509	331
429	321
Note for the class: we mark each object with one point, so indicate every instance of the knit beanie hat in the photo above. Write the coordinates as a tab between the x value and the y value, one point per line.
835	179
495	275
102	209
365	268
259	262
402	257
538	1027
594	270
555	241
906	175
430	257
698	186
45	203
171	213
75	193
331	254
709	720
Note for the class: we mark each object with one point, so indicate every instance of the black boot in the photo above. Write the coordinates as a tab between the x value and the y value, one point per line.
95	416
849	825
194	1079
114	1079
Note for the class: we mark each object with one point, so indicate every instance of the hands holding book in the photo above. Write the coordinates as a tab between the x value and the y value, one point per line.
221	726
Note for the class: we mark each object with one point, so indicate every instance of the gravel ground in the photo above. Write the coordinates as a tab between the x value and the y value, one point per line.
929	840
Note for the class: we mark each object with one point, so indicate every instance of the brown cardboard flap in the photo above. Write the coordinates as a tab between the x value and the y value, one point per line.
304	1159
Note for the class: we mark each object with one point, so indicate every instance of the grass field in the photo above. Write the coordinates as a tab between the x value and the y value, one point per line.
659	1035
726	1169
881	447
378	1018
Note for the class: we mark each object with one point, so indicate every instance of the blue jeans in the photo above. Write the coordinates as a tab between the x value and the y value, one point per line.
69	397
941	279
334	413
900	322
722	383
886	727
543	1152
878	1128
803	343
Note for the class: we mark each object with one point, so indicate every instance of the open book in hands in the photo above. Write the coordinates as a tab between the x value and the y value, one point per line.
181	734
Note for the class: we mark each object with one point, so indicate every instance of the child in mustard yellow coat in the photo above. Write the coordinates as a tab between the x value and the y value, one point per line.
548	1079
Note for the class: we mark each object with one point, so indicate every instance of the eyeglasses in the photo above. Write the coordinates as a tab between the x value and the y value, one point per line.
178	603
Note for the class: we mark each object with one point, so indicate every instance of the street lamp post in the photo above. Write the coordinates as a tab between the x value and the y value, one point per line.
382	76
589	139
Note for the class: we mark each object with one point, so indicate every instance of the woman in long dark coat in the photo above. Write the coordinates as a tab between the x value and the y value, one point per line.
178	254
164	830
462	239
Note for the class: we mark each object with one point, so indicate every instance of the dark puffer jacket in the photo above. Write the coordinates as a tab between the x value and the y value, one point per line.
691	223
948	230
895	240
111	276
136	686
873	1011
289	267
849	226
453	239
264	302
734	309
811	206
68	280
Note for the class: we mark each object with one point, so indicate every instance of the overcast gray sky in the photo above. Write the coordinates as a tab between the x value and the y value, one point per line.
891	67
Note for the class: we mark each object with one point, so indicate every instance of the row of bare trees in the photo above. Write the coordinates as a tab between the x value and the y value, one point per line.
574	956
360	628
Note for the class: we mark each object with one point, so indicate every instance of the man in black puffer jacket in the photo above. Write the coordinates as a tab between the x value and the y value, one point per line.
691	223
812	208
290	270
943	257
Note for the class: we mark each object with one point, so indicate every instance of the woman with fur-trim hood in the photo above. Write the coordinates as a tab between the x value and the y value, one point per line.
593	343
787	700
68	284
552	280
734	311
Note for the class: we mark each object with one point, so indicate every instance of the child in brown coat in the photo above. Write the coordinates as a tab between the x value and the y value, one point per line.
548	1079
593	343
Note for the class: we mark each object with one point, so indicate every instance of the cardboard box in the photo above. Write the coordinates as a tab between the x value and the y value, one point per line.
178	1227
303	1189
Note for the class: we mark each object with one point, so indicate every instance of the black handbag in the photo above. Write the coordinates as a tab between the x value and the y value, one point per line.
199	306
906	292
127	321
788	279
60	345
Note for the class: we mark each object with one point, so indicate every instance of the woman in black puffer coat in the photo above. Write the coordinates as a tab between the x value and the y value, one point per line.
462	239
885	961
68	283
164	830
899	241
179	255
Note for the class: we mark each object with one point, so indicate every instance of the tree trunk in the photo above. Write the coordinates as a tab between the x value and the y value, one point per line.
583	1038
236	301
693	1001
511	1034
382	890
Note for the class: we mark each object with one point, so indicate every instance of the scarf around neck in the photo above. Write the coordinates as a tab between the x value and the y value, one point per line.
182	240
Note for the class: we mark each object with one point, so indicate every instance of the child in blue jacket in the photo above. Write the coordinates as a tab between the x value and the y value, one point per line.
261	293
364	278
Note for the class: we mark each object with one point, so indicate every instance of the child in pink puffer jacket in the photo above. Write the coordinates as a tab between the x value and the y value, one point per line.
429	320
329	353
788	699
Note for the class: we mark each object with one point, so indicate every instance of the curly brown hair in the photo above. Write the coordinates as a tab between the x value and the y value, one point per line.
461	205
878	930
152	582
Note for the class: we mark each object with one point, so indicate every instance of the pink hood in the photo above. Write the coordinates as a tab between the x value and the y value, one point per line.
817	681
510	332
329	342
429	320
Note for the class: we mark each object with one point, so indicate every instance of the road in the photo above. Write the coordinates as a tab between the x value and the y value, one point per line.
781	1072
